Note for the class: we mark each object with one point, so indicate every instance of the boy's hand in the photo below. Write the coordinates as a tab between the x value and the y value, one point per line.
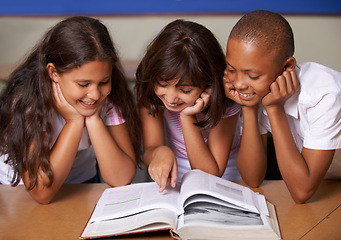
163	168
230	91
64	108
200	104
282	88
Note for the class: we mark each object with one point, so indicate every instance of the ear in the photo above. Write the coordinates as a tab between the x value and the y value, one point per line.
51	69
290	64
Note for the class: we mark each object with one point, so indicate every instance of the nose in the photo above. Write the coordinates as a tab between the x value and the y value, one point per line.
239	81
94	93
171	95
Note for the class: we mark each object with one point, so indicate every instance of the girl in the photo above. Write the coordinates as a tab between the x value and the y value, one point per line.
65	107
185	120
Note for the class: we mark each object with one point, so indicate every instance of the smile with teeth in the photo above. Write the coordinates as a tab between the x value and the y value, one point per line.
171	104
246	94
89	103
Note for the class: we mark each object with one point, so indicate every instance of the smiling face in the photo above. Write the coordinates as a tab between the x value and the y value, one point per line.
177	97
251	69
86	87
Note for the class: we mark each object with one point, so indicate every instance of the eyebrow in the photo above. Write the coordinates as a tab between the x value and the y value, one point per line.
244	70
229	64
179	84
88	80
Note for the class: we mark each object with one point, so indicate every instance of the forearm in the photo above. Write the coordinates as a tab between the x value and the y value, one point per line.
294	168
62	156
251	159
116	163
152	152
199	154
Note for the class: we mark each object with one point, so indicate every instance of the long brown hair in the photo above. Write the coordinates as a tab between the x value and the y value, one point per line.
184	50
27	102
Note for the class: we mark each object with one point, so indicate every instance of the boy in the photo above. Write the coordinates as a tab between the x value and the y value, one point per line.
303	112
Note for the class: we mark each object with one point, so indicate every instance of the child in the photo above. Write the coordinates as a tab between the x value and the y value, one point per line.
302	112
62	110
187	121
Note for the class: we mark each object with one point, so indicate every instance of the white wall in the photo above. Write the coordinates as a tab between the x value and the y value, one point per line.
318	38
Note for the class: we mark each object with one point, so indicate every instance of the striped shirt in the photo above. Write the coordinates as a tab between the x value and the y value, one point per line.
173	130
175	140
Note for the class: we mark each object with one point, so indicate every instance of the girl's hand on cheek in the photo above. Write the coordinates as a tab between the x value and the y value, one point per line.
96	115
200	104
68	112
281	89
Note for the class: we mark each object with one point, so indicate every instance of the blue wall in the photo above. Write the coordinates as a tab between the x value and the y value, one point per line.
126	7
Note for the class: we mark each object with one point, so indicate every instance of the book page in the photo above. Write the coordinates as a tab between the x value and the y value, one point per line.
197	181
205	213
134	198
152	220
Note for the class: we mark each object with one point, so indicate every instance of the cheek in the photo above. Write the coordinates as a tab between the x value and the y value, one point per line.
158	91
106	90
263	87
191	98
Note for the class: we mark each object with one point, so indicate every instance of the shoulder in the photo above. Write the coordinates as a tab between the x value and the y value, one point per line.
317	83
312	75
111	113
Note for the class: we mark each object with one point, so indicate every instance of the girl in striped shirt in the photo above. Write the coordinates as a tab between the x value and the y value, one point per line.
67	105
187	122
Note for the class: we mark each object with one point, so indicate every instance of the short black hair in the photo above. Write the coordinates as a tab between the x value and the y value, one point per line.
267	29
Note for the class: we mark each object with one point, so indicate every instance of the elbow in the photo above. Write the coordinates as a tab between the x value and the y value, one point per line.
301	196
119	181
42	198
252	180
255	183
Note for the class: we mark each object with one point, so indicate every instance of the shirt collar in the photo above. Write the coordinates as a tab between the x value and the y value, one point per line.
290	106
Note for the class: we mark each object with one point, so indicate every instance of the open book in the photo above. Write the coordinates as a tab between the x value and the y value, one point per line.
203	206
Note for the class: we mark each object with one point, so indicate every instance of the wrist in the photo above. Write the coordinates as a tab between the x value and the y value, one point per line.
75	121
274	109
188	118
75	124
250	111
93	120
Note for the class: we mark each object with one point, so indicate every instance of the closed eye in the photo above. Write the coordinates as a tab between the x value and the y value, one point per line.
254	78
83	85
161	85
186	91
104	83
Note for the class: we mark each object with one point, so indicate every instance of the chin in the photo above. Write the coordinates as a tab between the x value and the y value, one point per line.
86	113
249	103
175	109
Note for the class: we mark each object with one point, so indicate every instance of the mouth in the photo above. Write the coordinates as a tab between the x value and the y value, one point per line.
88	104
172	105
246	96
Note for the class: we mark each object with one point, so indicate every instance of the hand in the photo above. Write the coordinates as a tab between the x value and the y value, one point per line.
200	104
163	168
96	116
281	89
63	107
230	91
